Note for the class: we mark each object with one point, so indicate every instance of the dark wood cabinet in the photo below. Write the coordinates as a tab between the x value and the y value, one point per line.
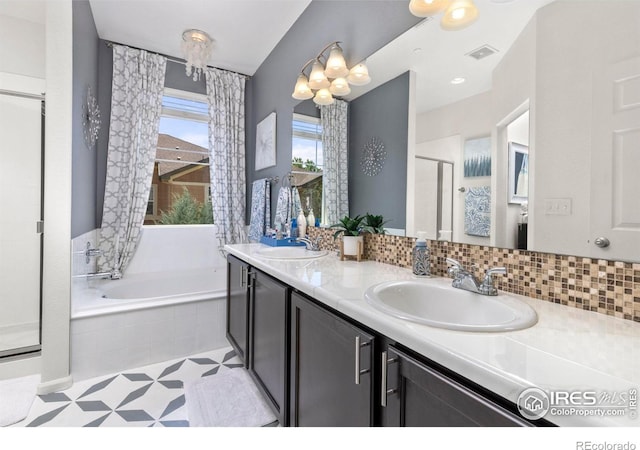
268	340
238	306
318	367
331	368
416	395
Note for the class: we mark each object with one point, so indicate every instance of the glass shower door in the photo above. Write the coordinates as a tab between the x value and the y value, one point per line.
21	159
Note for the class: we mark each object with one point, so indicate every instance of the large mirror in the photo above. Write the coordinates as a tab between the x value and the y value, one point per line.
536	106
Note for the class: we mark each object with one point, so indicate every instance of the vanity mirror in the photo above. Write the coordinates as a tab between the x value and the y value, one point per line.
555	81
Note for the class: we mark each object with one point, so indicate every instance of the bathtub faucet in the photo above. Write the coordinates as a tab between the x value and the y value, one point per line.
115	274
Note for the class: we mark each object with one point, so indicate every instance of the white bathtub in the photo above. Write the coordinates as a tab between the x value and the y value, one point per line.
176	310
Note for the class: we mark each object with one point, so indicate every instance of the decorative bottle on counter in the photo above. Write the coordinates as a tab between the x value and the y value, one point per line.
421	256
302	225
311	219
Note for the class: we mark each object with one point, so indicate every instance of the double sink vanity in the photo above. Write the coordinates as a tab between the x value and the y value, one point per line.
346	343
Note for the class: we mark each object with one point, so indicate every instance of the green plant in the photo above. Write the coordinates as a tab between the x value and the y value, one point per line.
349	226
374	224
187	210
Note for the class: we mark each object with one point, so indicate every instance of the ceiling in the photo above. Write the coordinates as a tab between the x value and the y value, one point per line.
245	31
438	56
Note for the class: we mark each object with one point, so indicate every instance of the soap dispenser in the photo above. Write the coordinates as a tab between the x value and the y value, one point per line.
421	256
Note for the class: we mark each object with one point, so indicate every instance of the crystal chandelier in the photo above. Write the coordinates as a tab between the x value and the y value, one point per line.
196	48
329	79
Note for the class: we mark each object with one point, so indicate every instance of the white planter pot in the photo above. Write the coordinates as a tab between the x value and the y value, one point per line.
350	244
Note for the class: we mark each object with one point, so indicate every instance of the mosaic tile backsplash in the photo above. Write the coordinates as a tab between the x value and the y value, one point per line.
602	286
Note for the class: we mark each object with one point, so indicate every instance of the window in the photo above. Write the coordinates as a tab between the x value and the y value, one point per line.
181	181
307	162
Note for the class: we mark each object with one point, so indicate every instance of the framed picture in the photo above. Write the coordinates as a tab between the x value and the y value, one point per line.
477	157
266	142
518	173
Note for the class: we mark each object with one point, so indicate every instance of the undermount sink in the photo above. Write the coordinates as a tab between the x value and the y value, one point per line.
438	304
290	253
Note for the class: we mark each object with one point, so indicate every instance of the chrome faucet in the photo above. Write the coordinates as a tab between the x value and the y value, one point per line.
463	279
313	246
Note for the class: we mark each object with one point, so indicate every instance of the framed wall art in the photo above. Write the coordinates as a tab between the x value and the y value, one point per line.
266	142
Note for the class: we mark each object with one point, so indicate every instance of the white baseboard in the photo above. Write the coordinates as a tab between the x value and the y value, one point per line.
59	384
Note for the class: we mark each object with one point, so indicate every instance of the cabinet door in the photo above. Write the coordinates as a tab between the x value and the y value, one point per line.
268	337
417	395
237	306
331	363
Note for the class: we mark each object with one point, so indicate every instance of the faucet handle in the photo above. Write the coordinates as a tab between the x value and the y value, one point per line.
487	287
495	270
455	263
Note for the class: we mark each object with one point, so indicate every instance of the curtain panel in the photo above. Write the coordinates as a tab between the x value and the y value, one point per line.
335	184
136	103
226	92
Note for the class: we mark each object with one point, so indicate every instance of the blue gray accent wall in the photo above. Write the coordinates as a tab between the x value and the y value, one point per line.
85	74
382	113
363	26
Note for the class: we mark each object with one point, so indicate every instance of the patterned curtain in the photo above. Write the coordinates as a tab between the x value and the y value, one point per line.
136	101
336	162
225	91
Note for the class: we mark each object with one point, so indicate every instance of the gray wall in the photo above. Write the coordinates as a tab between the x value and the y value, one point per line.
363	26
382	113
85	74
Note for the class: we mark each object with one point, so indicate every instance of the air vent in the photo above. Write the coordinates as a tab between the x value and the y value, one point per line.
482	52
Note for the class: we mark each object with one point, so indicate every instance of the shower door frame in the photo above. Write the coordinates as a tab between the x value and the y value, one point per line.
30	350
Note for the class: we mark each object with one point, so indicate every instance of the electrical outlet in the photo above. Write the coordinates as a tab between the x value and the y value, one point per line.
557	207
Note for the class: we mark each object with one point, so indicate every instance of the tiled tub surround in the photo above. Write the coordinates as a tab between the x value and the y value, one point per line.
568	349
169	304
607	287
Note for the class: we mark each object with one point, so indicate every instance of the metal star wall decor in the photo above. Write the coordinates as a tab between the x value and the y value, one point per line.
91	119
373	157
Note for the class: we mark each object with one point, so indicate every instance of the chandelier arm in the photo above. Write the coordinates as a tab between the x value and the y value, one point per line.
311	61
327	47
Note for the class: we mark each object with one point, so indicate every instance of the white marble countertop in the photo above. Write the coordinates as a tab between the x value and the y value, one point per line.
567	350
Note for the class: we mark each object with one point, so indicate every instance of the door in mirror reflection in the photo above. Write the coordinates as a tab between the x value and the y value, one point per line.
433	209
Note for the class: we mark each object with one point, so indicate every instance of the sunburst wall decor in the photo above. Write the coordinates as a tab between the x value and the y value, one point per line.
373	157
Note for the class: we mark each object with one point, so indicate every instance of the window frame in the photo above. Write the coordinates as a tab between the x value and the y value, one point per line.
173	113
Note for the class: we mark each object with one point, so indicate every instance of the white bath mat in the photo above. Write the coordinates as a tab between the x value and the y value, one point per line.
228	399
16	398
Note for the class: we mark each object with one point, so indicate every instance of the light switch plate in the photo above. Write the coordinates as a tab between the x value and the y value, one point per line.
557	207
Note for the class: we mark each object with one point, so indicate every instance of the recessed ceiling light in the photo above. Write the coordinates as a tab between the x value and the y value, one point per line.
458	80
417	50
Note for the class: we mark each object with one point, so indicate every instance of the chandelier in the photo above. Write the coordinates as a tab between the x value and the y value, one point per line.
330	79
196	48
458	14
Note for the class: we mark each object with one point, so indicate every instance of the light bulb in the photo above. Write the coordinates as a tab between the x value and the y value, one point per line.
317	78
426	8
459	15
359	75
302	91
323	97
340	87
336	67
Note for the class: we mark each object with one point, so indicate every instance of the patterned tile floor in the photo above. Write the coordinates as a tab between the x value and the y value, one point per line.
150	396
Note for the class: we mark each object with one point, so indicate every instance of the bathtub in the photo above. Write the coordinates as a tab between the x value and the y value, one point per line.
169	304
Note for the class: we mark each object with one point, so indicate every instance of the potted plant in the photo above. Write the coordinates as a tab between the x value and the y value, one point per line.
374	224
351	229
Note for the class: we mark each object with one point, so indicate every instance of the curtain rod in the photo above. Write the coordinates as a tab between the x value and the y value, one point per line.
110	44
